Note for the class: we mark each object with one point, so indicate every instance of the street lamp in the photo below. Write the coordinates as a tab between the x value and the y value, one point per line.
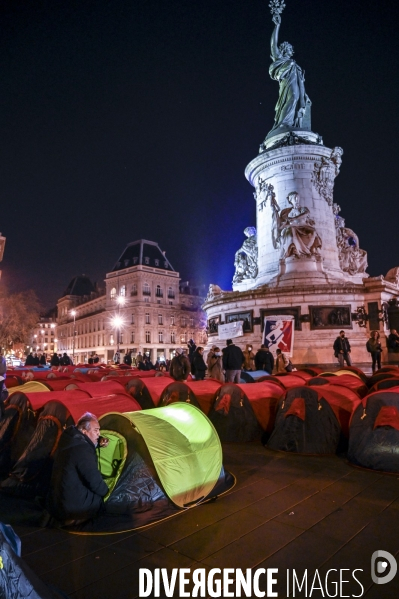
73	313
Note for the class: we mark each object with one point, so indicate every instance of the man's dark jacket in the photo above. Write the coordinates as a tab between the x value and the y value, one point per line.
233	358
77	487
198	363
341	344
264	360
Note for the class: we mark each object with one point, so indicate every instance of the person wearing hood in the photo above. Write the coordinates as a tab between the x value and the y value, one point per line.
77	488
249	358
264	359
180	366
215	364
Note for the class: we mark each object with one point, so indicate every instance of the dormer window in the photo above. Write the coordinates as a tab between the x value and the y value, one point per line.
146	260
135	260
166	264
156	262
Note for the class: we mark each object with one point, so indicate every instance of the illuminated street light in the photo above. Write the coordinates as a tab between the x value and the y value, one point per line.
73	313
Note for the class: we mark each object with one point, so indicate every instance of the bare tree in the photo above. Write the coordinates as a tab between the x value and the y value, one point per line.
19	314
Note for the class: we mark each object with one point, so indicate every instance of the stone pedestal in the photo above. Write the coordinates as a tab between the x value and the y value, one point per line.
292	168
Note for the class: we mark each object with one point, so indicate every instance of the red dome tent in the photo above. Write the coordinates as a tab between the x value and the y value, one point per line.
313	420
243	412
374	432
348	382
31	473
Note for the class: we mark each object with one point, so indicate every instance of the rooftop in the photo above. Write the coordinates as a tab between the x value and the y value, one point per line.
144	253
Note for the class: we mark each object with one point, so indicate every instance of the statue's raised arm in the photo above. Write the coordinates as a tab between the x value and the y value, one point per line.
275	54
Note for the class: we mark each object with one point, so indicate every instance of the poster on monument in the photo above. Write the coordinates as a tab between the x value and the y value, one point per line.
230	330
278	333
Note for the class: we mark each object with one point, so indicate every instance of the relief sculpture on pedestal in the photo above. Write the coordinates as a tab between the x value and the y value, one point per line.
352	259
325	173
246	258
294	230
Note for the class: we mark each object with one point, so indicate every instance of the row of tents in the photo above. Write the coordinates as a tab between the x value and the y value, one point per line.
307	411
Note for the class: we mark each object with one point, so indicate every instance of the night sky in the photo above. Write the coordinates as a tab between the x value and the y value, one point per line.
129	119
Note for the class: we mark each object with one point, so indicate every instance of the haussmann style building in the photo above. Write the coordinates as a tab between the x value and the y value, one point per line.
144	308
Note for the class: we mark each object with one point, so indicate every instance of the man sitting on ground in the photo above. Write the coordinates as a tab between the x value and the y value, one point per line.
77	487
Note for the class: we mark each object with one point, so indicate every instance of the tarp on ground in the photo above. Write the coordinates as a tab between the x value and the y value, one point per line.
17	581
374	432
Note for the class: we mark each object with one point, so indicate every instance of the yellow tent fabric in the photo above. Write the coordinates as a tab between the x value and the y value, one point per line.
185	449
29	387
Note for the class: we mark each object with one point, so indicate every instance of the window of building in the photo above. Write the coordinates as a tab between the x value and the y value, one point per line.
111	339
172	319
191	322
148	337
120	336
160	319
135	260
132	320
158	292
183	338
146	289
122	291
172	337
132	337
160	336
147	318
134	289
113	293
170	303
147	300
166	264
171	293
183	321
146	260
156	262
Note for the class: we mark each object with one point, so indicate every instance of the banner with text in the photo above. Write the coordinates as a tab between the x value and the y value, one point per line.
278	333
230	330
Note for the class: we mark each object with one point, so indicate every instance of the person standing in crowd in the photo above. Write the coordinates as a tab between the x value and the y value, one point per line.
209	356
393	340
233	359
373	346
264	359
128	358
249	358
180	366
65	360
117	357
215	365
342	349
139	359
282	362
54	361
191	347
29	360
199	365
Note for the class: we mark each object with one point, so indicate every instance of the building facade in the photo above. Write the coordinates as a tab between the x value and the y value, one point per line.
144	308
